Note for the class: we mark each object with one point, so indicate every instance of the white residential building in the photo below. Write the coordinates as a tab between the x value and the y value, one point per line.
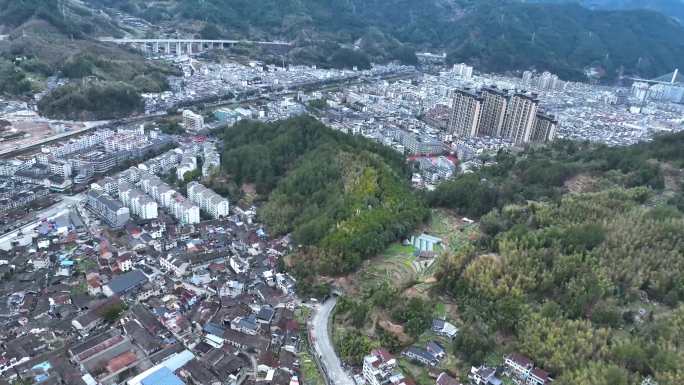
188	164
77	144
174	265
380	368
209	201
184	210
138	202
212	159
181	208
60	167
463	70
192	122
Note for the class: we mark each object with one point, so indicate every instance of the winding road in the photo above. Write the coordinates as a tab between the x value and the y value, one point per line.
324	347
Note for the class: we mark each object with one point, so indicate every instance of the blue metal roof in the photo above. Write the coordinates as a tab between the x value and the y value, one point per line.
125	282
163	376
214	329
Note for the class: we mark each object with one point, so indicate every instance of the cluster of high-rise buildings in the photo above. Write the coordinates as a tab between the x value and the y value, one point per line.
493	112
79	160
546	81
139	203
180	207
142	192
667	88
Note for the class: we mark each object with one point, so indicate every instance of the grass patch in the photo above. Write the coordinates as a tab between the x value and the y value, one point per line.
440	310
310	370
302	314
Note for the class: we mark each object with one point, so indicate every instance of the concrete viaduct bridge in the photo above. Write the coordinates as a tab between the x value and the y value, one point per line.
187	46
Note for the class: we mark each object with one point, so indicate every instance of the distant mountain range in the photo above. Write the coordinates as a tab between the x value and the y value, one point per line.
673	8
494	35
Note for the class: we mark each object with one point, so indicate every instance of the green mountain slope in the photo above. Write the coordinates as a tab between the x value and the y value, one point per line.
569	38
47	37
672	8
494	35
577	263
343	198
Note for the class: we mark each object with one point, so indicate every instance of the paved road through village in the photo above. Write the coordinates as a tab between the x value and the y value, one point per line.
323	345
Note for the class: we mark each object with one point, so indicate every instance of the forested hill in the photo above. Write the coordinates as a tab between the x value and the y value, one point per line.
672	8
49	37
576	261
579	264
343	198
495	35
569	38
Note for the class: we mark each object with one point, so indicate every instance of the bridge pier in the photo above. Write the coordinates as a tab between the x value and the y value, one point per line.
155	47
168	48
179	49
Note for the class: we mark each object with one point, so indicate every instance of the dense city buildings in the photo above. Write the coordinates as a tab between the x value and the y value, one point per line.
179	206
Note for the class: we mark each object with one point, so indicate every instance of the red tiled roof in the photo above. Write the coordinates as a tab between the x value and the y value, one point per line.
383	354
445	379
121	361
292	325
520	360
84	355
217	267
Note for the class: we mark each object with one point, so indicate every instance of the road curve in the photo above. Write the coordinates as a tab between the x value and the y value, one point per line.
324	347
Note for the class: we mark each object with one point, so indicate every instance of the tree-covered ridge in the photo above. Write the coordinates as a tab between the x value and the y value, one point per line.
577	263
342	198
47	38
568	38
672	8
548	172
92	101
574	278
113	89
14	13
568	279
71	18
